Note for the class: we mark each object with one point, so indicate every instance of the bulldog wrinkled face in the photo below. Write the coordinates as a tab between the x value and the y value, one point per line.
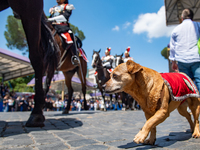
119	79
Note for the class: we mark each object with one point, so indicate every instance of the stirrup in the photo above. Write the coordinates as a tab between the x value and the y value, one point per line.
75	61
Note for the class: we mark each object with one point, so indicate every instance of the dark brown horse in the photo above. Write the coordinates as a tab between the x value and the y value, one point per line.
102	76
68	68
43	51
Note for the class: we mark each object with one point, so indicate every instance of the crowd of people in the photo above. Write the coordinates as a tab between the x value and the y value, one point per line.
14	102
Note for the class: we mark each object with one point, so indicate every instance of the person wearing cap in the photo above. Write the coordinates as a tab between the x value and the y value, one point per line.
108	59
127	55
59	16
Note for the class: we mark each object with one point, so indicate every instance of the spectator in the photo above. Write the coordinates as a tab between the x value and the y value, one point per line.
95	106
57	104
23	104
17	103
183	47
74	103
10	103
91	106
79	106
5	103
47	104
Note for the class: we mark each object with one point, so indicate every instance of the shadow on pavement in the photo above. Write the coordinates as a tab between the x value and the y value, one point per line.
165	141
76	113
18	127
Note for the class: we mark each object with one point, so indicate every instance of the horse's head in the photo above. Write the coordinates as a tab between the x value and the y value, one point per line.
96	58
118	59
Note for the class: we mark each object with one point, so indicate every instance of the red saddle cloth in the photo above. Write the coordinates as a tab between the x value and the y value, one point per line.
180	86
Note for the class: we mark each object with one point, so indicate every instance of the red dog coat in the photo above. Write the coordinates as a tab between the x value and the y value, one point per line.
180	86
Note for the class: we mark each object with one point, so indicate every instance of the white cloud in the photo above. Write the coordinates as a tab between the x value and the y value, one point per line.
126	25
154	24
116	28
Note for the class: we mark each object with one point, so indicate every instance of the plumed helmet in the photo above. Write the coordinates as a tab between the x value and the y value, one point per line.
108	49
127	50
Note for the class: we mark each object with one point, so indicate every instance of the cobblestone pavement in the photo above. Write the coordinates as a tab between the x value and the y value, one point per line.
89	130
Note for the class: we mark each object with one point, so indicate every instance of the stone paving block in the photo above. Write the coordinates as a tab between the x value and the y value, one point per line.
124	144
13	131
46	140
16	142
24	148
77	143
191	147
17	136
53	146
94	147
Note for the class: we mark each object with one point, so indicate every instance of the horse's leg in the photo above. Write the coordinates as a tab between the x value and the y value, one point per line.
116	97
82	75
116	102
103	96
111	102
68	78
32	28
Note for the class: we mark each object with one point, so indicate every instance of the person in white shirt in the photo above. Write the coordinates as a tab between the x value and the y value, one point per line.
183	47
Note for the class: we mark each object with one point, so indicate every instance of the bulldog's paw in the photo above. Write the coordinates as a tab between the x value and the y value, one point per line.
140	137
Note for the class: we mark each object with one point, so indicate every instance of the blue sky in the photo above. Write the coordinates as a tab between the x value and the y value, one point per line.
118	24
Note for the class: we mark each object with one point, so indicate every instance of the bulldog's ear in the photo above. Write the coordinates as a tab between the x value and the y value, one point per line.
133	67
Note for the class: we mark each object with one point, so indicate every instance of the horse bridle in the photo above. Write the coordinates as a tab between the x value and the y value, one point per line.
97	62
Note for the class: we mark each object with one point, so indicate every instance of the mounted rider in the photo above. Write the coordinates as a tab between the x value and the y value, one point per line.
60	20
108	59
127	55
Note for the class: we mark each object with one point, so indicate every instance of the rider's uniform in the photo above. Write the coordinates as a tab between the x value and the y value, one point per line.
127	52
108	60
60	17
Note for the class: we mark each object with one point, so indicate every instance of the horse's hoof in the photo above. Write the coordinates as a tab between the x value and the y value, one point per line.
104	110
35	120
65	112
115	109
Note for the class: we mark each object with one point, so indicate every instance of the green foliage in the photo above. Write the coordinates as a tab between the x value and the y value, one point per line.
77	32
15	35
164	53
19	84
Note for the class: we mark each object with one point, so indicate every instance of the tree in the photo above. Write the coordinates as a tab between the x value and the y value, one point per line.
15	35
164	53
19	84
16	38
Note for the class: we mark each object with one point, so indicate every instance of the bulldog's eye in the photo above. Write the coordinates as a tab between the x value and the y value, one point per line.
114	76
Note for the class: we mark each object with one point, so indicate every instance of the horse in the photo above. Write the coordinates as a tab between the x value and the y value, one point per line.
68	69
127	100
43	50
102	76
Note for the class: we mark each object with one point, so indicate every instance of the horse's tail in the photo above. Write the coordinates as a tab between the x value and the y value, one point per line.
51	50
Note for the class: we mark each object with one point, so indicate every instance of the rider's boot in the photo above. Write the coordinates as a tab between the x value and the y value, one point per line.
74	59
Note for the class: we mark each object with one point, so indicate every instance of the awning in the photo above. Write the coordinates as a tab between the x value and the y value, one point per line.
58	81
13	65
174	8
